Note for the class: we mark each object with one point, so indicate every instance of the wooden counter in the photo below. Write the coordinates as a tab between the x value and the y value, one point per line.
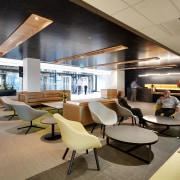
108	93
144	95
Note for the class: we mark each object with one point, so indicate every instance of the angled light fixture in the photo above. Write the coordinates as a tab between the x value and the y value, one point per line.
30	27
126	62
92	53
146	67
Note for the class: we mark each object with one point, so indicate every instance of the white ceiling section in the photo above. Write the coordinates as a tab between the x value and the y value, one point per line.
157	19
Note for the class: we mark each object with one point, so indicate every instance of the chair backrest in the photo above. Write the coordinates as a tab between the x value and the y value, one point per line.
122	111
101	114
27	113
157	107
74	135
6	102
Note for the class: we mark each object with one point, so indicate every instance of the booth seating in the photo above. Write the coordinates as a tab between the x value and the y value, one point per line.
36	98
79	111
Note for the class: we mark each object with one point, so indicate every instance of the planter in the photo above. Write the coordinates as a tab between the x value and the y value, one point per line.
9	92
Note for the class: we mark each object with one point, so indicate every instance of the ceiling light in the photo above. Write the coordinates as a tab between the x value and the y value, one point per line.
30	27
167	74
92	53
146	67
126	62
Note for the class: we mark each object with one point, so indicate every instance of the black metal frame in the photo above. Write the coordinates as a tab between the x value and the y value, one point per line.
29	127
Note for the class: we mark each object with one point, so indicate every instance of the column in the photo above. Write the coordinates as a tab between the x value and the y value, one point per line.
31	75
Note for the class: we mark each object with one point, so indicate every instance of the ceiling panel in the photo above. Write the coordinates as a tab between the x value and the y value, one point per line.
157	11
108	6
172	26
132	18
132	2
177	3
154	32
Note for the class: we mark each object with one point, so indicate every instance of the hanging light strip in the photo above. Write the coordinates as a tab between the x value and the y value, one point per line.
92	53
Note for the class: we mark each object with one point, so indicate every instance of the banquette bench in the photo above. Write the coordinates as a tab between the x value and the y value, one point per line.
36	98
79	111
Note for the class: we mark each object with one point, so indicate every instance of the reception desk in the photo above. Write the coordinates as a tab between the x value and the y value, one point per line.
108	93
144	95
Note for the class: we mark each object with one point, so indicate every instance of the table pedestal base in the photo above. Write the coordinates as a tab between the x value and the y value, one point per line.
49	137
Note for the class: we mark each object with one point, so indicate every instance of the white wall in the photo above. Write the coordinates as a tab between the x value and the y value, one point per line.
114	80
121	80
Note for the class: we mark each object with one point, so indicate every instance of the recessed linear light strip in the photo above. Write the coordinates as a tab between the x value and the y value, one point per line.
30	27
167	74
92	53
146	67
126	62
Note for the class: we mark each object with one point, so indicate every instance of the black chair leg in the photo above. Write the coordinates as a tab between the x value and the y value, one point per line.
120	120
93	128
104	131
71	162
29	127
65	153
96	158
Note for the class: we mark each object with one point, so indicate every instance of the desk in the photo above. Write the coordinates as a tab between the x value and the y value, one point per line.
163	120
132	135
52	122
170	169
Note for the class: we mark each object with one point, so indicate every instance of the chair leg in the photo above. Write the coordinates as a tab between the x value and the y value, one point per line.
93	127
11	116
133	121
96	158
30	126
65	153
71	162
120	120
104	131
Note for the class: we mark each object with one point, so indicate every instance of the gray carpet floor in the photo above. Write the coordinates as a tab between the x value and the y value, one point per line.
114	163
32	157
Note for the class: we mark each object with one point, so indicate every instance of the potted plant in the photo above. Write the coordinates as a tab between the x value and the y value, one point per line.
64	96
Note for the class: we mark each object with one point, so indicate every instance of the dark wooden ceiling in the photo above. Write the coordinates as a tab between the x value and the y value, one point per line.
74	31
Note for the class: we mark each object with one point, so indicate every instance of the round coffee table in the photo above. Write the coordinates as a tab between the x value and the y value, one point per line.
132	135
51	121
163	120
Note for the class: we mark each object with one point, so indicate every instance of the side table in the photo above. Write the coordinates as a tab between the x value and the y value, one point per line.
51	121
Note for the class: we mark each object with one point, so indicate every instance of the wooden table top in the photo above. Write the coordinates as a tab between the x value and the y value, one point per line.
131	134
48	120
57	105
